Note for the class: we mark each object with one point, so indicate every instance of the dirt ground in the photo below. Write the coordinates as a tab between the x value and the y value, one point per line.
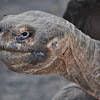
14	86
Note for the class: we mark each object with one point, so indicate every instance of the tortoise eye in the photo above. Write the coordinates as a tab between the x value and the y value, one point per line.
24	35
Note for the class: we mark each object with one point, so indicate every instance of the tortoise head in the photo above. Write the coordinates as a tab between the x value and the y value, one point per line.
32	42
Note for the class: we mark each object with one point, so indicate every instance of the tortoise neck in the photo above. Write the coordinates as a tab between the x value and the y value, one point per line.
80	60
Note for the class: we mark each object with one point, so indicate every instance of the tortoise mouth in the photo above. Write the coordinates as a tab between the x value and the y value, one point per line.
28	59
37	56
29	63
19	61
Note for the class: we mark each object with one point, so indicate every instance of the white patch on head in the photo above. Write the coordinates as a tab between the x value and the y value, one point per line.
1	43
22	29
31	43
19	46
42	53
1	33
8	43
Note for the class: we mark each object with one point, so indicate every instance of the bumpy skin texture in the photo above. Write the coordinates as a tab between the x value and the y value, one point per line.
85	15
69	93
40	43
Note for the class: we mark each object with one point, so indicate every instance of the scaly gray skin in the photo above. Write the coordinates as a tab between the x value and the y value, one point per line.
69	93
35	43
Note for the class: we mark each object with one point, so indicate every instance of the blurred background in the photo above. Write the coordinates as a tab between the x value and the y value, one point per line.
14	86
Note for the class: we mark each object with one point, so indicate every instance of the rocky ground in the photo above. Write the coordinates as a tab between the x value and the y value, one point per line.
14	86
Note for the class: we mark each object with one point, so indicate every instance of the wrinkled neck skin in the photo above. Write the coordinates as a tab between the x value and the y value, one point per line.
81	59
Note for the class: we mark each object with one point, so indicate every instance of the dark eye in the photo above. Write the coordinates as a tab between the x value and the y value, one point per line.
24	35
